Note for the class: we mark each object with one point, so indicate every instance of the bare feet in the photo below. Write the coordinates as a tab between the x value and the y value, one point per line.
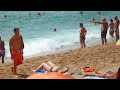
34	70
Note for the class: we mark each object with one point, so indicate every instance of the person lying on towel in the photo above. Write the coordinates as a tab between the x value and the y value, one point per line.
51	67
108	74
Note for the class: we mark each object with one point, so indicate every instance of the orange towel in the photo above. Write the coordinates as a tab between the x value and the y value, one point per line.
17	57
89	69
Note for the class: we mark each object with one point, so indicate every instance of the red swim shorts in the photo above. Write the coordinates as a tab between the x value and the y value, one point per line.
17	57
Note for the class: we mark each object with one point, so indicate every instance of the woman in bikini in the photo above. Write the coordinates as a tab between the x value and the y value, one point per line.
51	67
111	25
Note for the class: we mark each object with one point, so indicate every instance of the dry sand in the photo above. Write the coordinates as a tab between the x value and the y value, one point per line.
101	57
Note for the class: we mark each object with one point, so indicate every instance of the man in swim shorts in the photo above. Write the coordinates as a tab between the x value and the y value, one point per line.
83	32
104	28
16	49
2	50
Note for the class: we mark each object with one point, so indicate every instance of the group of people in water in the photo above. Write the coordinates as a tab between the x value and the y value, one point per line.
114	28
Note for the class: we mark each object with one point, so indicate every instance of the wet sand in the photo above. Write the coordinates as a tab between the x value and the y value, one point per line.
101	57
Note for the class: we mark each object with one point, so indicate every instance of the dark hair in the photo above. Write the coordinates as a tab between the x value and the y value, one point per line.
15	29
118	74
111	20
81	24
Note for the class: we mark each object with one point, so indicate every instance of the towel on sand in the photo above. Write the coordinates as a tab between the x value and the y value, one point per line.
40	71
93	77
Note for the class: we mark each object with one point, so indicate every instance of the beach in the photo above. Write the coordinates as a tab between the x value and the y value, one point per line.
101	57
62	47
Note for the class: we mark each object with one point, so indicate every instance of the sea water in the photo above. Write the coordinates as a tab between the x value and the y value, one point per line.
37	30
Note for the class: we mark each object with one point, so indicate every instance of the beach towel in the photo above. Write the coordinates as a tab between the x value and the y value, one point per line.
40	71
93	77
17	57
70	72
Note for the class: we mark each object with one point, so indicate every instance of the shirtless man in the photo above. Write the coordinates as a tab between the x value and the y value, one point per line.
111	25
16	49
104	28
83	32
2	49
116	27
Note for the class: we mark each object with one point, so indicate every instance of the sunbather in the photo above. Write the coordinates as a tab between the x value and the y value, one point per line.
51	67
109	74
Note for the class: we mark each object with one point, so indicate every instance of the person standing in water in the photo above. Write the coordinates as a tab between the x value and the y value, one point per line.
2	49
55	30
116	27
98	13
104	28
111	25
81	13
5	16
83	32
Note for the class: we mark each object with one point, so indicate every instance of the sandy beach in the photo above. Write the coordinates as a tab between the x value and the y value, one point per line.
101	57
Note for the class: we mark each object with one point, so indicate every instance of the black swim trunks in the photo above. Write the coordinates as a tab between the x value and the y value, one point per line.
103	33
112	30
57	70
82	37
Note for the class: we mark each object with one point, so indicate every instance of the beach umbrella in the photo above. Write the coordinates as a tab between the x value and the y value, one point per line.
50	75
118	42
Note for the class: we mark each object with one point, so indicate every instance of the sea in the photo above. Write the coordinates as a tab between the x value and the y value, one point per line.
38	30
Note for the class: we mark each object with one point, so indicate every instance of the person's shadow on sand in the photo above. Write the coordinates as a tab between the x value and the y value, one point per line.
22	76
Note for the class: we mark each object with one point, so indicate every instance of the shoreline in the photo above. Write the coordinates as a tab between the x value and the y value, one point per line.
100	57
74	46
